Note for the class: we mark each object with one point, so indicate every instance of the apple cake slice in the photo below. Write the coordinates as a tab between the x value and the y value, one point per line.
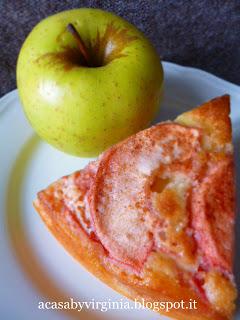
153	217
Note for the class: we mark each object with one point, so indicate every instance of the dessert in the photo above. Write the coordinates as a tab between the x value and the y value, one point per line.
153	216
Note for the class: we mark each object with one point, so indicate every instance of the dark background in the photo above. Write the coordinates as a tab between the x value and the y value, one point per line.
203	34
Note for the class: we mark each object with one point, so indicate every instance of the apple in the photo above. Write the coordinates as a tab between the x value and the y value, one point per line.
88	79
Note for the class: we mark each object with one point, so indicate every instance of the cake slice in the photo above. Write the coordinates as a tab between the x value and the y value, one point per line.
153	216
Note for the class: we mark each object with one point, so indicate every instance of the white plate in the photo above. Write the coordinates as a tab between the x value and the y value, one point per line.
34	267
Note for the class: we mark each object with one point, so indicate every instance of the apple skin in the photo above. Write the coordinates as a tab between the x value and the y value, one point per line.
83	110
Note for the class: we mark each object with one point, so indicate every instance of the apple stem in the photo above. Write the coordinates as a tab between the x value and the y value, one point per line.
80	42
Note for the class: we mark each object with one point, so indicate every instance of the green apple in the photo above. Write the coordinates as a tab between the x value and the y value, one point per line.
87	79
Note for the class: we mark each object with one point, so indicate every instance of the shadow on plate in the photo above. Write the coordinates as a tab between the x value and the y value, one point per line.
29	262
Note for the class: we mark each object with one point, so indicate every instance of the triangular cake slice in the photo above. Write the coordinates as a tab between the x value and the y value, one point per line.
153	217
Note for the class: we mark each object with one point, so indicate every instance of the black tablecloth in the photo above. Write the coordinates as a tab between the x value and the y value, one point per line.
200	33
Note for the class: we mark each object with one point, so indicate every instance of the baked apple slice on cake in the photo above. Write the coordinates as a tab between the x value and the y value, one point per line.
153	217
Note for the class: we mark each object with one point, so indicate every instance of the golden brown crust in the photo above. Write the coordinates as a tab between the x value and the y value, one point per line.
213	118
161	279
